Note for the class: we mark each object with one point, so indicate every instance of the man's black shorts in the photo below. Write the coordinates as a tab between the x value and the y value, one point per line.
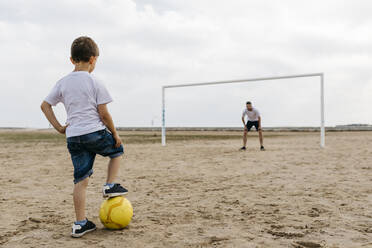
250	124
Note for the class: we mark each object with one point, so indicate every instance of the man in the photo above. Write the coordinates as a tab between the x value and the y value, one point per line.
254	119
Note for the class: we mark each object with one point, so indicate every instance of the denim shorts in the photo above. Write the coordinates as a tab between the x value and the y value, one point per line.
83	150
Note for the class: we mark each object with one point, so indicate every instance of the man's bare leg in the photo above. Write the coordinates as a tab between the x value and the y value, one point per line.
244	139
261	138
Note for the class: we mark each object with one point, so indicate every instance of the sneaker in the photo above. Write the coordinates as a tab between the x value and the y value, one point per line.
116	190
262	148
243	148
78	230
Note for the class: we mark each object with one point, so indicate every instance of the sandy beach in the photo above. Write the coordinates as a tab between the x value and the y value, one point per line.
199	191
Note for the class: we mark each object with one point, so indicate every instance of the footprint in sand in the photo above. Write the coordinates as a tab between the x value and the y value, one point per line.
306	244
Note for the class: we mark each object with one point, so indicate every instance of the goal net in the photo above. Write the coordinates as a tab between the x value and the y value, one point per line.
320	77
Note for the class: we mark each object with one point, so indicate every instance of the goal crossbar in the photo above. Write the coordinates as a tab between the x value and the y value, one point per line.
320	75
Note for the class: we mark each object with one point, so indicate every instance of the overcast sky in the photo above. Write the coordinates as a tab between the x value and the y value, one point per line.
145	44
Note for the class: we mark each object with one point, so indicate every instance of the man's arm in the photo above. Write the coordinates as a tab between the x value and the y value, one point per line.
109	123
243	120
49	114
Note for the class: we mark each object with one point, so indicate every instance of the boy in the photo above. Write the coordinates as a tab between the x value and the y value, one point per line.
85	100
254	119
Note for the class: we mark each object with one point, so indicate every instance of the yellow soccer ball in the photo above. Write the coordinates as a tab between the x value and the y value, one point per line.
116	212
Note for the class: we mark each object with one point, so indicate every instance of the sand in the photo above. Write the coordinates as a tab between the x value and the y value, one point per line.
199	191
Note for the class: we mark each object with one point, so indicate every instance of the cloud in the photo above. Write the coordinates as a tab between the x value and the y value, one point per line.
146	44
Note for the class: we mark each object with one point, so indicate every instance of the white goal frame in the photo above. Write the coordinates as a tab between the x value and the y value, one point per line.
320	75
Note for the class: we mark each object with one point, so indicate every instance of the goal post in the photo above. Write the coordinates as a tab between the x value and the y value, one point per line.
320	75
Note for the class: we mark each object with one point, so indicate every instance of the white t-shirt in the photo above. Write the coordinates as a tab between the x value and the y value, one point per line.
252	115
81	93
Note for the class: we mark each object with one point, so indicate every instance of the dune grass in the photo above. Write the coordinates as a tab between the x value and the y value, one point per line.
129	137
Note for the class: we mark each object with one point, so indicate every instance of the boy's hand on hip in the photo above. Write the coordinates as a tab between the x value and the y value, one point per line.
118	141
62	129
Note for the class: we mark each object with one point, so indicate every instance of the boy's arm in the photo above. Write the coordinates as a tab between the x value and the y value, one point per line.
109	123
49	114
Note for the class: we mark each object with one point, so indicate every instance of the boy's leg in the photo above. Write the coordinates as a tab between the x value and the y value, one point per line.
79	199
111	189
106	147
82	224
113	169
